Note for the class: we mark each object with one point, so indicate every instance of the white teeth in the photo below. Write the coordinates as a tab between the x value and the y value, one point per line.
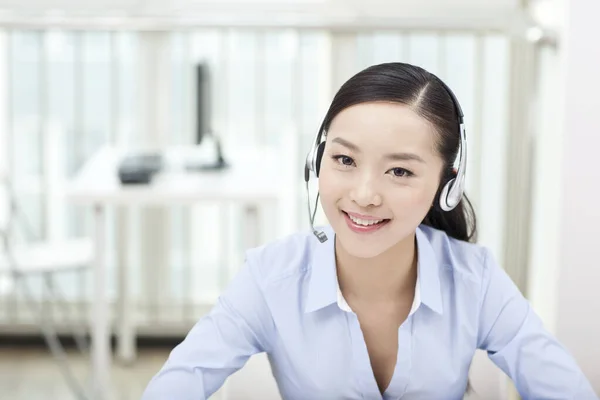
364	222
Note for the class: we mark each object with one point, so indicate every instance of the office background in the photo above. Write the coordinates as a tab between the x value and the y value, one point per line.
76	77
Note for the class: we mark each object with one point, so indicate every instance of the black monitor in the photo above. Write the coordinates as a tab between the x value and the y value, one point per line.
202	102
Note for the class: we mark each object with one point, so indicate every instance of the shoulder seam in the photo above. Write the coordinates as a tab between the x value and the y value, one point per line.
286	275
257	255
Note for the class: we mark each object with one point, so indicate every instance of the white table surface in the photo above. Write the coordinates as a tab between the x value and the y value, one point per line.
253	178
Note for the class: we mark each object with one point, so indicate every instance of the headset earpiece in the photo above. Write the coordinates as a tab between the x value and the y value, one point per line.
313	159
313	164
319	157
447	202
453	190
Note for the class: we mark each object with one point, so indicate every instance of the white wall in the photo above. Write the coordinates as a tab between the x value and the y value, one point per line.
578	310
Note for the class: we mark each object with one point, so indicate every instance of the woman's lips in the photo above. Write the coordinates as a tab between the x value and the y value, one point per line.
360	227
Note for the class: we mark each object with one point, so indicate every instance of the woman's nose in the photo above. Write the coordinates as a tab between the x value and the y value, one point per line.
365	194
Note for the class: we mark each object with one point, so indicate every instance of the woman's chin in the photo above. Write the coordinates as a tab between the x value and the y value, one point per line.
370	244
355	247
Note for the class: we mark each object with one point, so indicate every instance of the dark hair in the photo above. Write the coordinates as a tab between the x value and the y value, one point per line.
427	96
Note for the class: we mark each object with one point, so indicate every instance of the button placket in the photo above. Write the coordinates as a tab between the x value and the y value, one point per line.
400	379
362	362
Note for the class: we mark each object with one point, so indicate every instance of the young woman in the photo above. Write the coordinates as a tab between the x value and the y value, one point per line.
391	299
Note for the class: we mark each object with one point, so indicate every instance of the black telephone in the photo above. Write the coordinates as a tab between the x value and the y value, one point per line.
139	168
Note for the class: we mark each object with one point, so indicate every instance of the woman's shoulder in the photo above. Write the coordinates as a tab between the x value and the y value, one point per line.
466	259
282	257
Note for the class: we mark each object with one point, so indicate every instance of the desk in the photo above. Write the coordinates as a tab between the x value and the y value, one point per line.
252	180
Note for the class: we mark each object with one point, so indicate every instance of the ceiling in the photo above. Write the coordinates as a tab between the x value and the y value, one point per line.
156	13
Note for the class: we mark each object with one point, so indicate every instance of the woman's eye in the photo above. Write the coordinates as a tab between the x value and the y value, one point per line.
344	160
400	172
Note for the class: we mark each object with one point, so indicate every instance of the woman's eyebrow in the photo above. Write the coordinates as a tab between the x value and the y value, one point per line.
346	143
391	156
404	157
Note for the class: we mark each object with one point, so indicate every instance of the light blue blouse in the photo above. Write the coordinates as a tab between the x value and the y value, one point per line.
285	301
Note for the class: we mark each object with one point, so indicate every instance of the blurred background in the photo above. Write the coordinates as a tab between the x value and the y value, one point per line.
145	144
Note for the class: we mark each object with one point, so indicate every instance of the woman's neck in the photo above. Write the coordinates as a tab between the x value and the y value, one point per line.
386	277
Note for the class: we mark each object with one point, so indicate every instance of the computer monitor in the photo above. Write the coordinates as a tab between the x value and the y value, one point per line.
203	101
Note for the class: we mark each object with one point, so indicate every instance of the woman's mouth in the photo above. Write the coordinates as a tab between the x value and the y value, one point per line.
363	224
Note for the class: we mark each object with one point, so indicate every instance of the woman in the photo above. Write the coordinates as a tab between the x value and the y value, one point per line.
390	300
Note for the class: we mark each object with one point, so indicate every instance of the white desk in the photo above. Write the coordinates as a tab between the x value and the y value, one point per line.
252	179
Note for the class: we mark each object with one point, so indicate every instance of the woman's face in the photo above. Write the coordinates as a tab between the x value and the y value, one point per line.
379	175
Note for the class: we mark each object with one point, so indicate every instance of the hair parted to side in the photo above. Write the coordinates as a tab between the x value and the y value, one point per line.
424	92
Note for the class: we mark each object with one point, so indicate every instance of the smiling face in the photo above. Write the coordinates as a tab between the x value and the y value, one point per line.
378	177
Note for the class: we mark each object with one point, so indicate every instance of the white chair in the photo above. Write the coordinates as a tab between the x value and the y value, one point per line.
21	261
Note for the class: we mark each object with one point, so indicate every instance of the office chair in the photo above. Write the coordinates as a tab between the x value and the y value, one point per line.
45	259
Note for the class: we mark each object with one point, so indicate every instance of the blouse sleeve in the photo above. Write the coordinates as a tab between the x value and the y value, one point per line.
518	343
219	344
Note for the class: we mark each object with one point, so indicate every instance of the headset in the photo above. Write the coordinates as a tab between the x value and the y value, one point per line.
450	195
